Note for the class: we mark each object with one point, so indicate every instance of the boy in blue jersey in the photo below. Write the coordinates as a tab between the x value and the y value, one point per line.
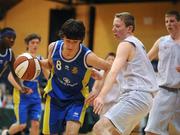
7	39
71	66
28	106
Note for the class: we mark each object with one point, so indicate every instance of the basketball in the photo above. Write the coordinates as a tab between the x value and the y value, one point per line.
27	67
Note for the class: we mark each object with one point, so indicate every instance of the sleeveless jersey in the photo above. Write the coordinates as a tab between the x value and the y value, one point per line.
4	59
169	58
70	78
138	73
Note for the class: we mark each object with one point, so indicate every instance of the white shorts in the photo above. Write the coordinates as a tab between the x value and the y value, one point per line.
129	111
106	107
111	98
166	109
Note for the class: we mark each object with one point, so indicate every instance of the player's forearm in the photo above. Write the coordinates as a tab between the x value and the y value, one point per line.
45	64
46	73
97	86
108	84
14	81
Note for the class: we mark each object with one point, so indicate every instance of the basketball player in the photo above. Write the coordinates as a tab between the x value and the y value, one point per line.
113	96
7	39
71	64
139	82
28	106
166	105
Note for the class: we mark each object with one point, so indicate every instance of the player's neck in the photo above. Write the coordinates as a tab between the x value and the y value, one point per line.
69	54
176	37
2	50
33	54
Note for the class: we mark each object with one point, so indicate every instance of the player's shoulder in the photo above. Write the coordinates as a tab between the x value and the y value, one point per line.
52	45
162	39
165	37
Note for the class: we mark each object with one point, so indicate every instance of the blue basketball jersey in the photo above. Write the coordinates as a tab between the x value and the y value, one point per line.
70	77
4	59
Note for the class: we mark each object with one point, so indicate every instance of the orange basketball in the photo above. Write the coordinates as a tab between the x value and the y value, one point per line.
27	67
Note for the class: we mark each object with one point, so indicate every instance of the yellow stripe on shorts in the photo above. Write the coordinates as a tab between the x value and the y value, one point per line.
46	119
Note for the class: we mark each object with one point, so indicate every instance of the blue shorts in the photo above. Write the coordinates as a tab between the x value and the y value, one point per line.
55	116
26	110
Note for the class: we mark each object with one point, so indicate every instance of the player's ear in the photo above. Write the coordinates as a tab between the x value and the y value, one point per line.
130	28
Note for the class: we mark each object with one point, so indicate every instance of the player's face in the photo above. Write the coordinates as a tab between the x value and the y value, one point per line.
110	59
33	46
8	41
172	24
119	28
71	45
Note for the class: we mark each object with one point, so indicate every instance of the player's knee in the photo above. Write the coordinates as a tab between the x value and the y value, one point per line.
98	127
34	124
71	132
22	127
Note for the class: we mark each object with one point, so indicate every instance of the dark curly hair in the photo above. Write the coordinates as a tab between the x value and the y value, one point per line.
73	29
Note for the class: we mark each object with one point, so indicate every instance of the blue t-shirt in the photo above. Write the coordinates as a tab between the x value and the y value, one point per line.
4	60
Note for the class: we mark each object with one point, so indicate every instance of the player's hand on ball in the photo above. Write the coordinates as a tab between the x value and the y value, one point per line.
26	90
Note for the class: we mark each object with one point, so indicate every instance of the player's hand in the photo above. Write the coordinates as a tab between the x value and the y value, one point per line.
26	90
92	95
98	105
96	75
178	68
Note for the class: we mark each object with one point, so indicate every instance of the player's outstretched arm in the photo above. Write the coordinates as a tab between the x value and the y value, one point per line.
153	53
98	63
95	91
124	53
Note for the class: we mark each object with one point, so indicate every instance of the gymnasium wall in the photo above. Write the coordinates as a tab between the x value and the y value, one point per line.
33	16
149	23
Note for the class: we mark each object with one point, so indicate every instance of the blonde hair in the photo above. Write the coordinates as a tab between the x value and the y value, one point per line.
128	19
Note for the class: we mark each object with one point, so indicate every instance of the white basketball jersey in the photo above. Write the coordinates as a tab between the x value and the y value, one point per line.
169	59
139	73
